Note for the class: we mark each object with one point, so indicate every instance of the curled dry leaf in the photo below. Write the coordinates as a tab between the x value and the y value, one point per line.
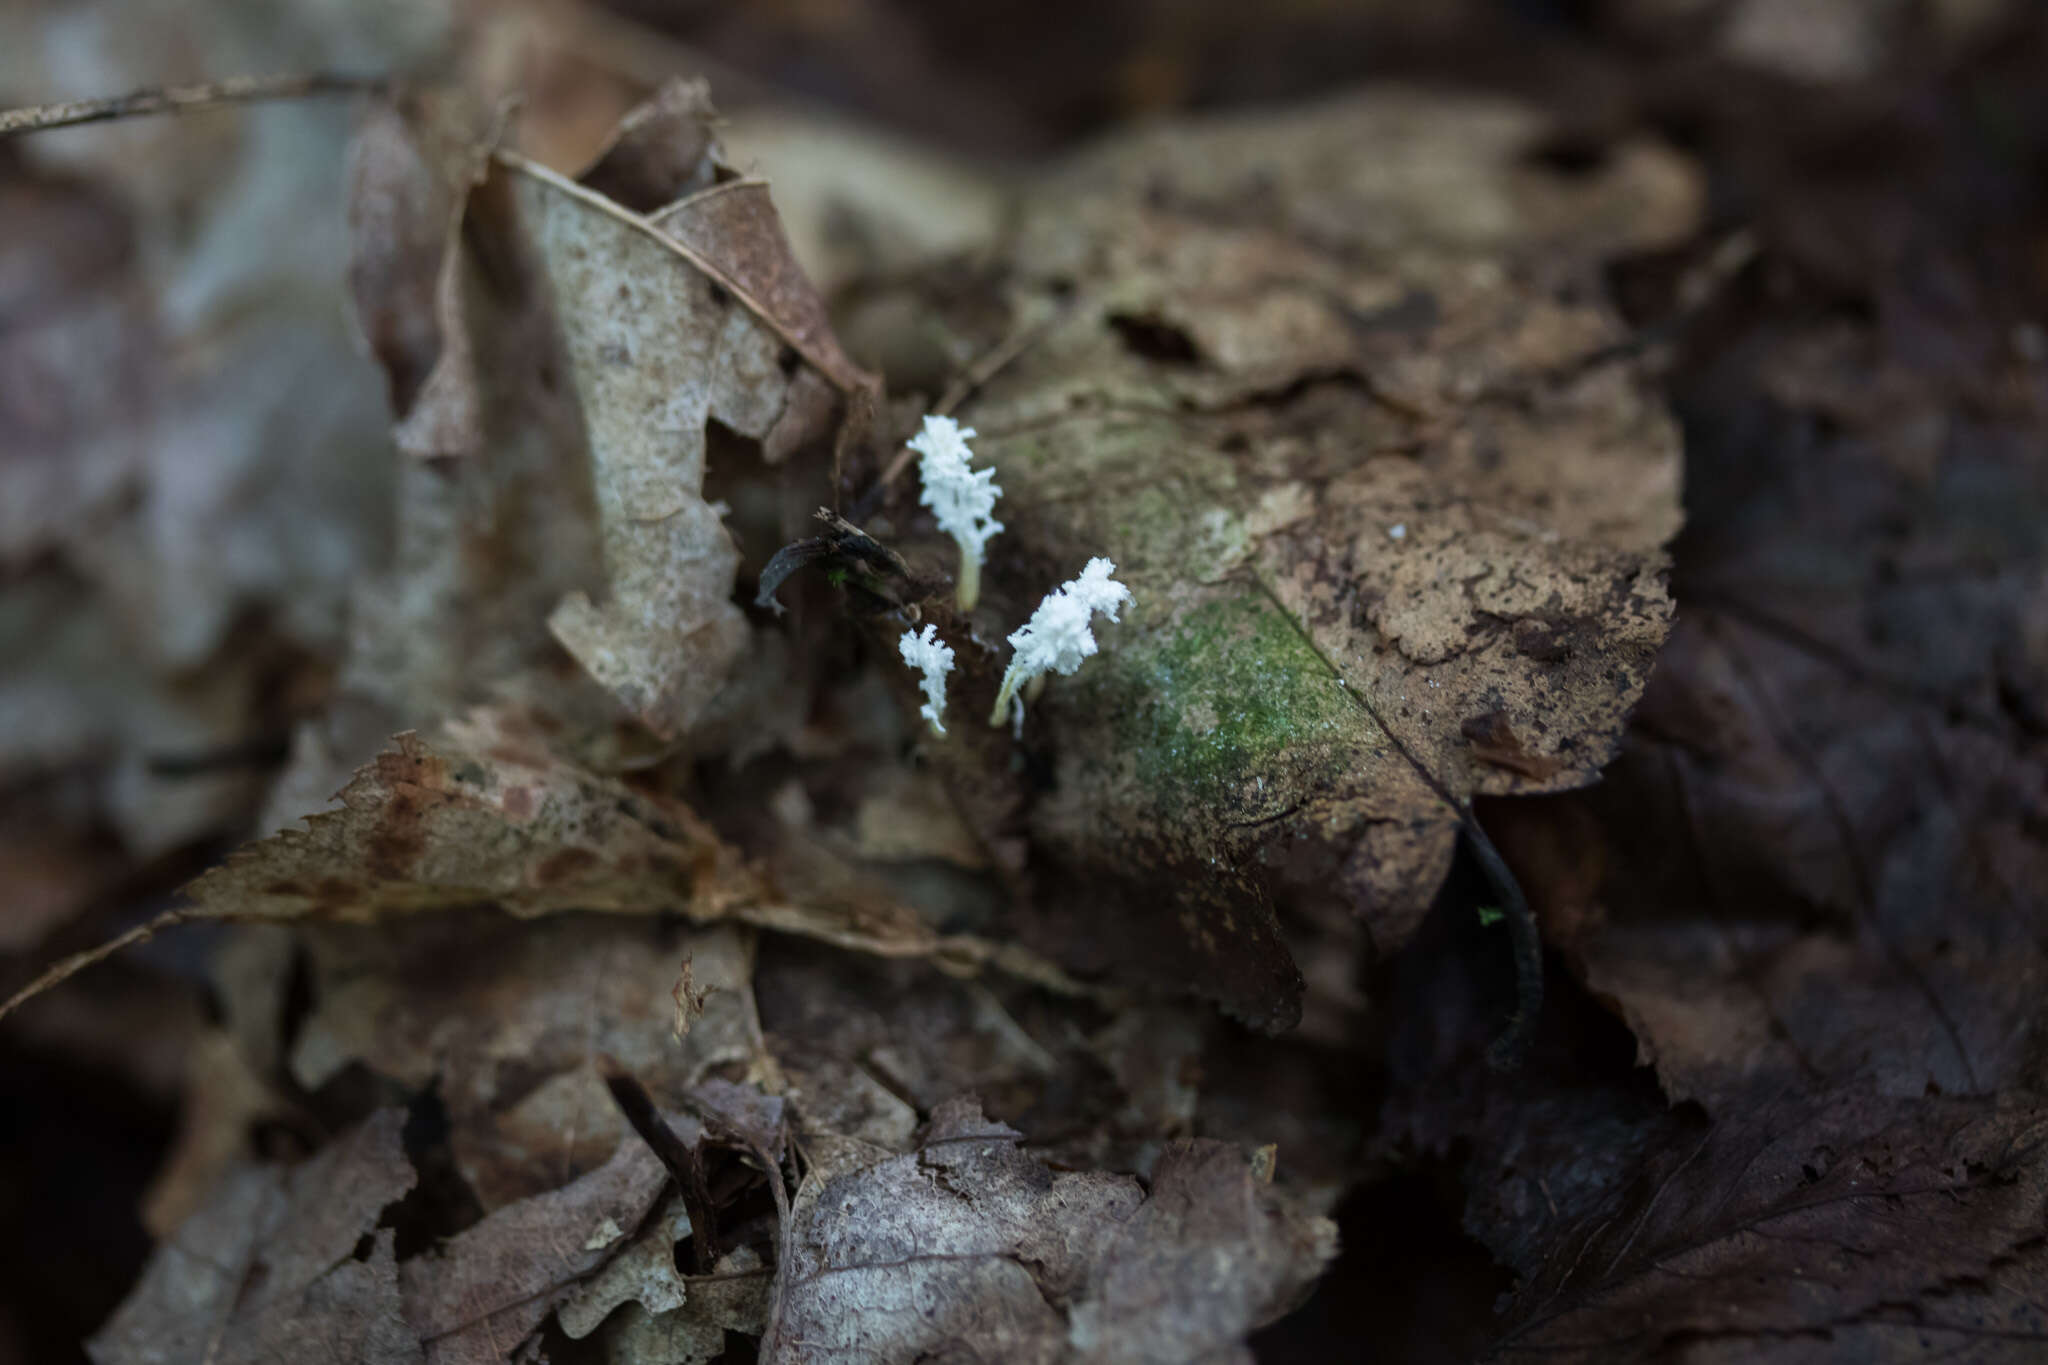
492	512
1340	396
488	815
644	1273
518	1027
675	319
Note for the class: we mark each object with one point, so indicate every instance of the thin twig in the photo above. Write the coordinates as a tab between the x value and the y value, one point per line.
78	962
177	99
995	360
1507	1050
985	367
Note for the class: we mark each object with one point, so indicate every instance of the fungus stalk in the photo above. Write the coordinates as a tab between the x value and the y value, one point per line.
963	499
1057	637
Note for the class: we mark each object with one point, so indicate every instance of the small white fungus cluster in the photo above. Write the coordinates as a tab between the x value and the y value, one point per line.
962	498
935	658
1058	636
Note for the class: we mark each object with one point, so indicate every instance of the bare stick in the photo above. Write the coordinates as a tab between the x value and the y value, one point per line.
174	99
78	962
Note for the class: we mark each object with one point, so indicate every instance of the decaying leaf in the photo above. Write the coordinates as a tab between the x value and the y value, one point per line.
1363	443
969	1244
644	1273
1765	1234
1804	895
733	1299
488	816
276	1258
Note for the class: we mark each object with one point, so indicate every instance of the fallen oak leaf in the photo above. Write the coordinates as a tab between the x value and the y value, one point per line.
1766	1229
487	815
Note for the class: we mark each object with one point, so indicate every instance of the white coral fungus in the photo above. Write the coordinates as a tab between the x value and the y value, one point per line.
1057	638
935	658
962	498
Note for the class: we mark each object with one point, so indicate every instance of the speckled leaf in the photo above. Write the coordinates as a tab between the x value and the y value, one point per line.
487	816
1340	394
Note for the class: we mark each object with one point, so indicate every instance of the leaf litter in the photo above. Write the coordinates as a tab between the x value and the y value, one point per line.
1342	392
681	324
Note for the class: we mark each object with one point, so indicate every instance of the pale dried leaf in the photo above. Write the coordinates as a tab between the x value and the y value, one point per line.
659	350
644	1273
734	1298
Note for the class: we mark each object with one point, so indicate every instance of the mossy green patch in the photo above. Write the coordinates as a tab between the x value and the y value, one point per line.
1229	705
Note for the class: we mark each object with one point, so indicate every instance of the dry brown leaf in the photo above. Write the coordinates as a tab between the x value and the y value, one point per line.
643	1273
493	515
489	815
518	1026
270	1261
733	1299
473	1301
1339	393
968	1243
1761	1234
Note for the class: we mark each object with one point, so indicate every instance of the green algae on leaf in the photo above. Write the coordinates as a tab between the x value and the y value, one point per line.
1221	697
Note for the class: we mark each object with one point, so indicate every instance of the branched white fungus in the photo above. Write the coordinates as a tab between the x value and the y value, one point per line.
962	498
1057	637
